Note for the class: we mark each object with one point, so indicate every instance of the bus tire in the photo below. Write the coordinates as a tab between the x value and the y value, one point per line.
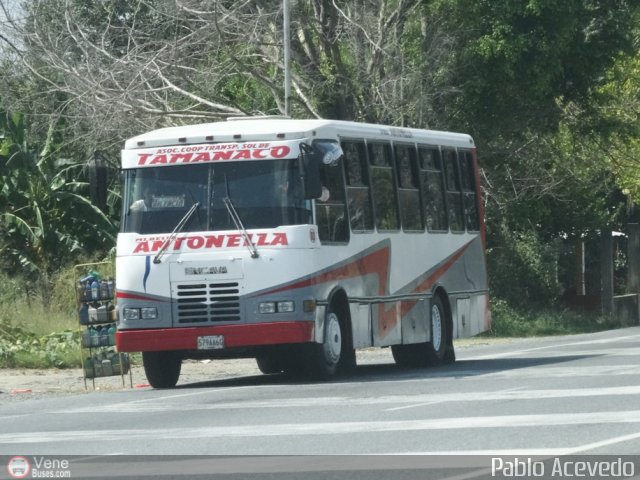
437	347
347	365
406	356
326	356
162	368
292	360
437	351
269	364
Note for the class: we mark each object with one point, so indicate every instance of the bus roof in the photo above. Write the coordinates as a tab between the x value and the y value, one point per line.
269	129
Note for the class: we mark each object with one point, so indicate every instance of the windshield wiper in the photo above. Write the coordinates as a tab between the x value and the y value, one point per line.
233	213
183	221
240	227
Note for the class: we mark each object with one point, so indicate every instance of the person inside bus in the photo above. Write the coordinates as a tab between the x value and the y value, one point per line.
144	203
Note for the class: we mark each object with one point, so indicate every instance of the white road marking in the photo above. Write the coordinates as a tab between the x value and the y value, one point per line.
324	428
556	346
398	401
416	405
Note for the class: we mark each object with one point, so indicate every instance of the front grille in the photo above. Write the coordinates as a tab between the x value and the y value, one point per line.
208	302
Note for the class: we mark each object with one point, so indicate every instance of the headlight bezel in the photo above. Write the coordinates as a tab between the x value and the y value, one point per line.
276	306
140	313
130	313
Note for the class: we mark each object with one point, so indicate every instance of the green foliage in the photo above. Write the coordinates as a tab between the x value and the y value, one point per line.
617	103
46	221
522	269
26	305
507	321
518	58
22	349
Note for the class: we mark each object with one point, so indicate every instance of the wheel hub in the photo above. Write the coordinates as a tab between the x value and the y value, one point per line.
436	328
333	339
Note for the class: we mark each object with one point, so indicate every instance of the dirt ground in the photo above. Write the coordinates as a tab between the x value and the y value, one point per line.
16	384
22	384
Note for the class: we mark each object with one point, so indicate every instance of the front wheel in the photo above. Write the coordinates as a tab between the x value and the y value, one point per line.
326	356
162	368
270	363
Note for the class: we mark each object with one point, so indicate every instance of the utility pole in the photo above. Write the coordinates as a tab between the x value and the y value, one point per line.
287	48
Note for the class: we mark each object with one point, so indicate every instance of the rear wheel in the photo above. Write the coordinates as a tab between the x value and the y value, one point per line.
162	368
406	356
436	349
435	352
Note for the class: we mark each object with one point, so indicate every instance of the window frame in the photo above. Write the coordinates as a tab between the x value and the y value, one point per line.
366	177
394	184
457	178
339	169
466	155
415	173
443	190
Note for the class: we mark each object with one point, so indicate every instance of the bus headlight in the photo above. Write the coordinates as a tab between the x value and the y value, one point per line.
131	313
283	306
148	313
286	307
144	313
267	307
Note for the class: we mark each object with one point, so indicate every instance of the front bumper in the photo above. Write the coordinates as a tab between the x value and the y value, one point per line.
186	338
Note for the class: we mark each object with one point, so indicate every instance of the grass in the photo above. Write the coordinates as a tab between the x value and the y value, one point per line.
36	330
37	319
21	348
530	322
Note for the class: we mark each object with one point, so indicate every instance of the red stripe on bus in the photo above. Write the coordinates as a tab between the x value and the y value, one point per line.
378	263
423	286
133	296
246	335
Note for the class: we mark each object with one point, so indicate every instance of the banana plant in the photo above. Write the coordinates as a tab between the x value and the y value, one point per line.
46	220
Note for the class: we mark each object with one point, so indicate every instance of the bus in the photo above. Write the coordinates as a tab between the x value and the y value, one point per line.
296	242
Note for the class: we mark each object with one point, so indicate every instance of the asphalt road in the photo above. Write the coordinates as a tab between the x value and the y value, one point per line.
572	395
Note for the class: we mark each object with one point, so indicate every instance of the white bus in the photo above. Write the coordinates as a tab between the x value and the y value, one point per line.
297	242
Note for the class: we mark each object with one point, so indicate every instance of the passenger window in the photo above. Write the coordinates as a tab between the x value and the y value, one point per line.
454	194
469	191
358	191
432	189
409	188
383	187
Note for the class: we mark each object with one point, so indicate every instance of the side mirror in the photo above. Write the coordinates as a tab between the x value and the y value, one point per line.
97	170
331	153
323	153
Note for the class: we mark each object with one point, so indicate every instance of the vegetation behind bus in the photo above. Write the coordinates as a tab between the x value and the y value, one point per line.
547	89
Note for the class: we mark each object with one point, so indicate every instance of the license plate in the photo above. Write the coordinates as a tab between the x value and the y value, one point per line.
211	342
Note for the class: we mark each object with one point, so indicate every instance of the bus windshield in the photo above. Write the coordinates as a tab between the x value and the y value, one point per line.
266	194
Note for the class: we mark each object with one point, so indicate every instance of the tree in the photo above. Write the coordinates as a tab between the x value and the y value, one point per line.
156	63
517	59
522	77
45	220
617	103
